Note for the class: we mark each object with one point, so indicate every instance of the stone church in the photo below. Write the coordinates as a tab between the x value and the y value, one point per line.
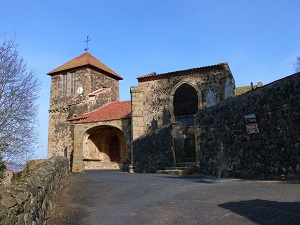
94	130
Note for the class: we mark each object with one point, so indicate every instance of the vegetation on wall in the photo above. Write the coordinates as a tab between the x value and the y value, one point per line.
297	64
2	169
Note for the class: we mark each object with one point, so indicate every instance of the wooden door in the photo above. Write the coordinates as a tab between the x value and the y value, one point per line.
114	149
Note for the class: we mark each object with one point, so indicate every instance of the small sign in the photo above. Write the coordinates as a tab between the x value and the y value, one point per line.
251	124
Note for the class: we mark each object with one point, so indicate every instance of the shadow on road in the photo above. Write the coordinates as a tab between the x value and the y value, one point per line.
195	178
266	212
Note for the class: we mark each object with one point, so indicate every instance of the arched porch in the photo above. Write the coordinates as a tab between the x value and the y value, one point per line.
104	147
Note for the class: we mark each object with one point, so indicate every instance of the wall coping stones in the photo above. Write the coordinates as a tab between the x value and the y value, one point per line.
31	199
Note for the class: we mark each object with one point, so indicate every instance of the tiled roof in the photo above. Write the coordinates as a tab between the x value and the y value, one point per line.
154	76
85	59
112	111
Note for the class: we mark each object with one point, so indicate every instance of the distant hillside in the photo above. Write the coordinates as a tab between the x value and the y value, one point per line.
244	89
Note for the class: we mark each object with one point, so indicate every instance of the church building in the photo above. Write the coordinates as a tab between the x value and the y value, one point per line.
90	126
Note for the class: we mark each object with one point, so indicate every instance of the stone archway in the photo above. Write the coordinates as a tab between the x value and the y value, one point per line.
103	144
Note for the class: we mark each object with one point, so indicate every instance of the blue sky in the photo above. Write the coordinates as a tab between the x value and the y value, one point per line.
260	39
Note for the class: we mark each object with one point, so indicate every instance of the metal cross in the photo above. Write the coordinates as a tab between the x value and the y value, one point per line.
87	43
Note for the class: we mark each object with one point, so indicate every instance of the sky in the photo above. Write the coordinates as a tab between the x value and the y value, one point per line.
260	39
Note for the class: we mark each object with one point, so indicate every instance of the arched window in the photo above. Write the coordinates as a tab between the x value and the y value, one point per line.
185	104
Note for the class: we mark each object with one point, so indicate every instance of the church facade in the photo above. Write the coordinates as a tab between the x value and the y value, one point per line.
94	130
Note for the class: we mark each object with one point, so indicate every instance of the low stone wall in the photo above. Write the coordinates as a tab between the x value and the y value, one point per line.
228	150
31	200
153	151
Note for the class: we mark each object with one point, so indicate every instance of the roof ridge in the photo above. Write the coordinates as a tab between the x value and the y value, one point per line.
195	68
85	59
154	74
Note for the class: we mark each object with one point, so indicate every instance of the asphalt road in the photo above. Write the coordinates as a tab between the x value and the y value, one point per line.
113	197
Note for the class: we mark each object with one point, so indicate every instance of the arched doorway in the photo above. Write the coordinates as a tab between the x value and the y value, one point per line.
114	149
185	107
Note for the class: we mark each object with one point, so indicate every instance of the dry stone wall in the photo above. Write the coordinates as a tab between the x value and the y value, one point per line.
153	151
271	152
31	200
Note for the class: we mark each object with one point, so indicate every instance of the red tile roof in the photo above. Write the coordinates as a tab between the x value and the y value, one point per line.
113	111
154	76
85	59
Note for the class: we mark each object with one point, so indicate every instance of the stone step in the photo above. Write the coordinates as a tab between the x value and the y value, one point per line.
179	169
173	172
176	168
106	166
185	164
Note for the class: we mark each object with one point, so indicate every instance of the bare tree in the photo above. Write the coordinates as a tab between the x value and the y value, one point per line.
297	65
18	109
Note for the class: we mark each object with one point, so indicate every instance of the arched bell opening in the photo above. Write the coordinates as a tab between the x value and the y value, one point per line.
185	104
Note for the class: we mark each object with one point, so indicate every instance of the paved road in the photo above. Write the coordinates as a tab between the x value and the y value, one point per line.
111	197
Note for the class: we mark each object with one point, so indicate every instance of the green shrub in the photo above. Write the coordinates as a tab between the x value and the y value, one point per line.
16	177
2	169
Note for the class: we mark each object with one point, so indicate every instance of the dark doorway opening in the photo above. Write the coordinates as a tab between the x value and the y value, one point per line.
185	146
185	107
114	149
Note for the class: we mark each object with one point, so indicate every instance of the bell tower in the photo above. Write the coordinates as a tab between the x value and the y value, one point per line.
79	86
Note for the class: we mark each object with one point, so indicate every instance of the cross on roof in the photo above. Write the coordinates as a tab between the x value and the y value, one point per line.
87	43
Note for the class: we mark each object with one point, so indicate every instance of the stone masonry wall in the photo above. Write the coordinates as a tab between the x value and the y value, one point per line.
59	139
88	79
158	93
154	97
153	151
60	136
227	150
31	200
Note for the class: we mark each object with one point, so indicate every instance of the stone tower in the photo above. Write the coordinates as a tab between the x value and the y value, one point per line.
79	86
